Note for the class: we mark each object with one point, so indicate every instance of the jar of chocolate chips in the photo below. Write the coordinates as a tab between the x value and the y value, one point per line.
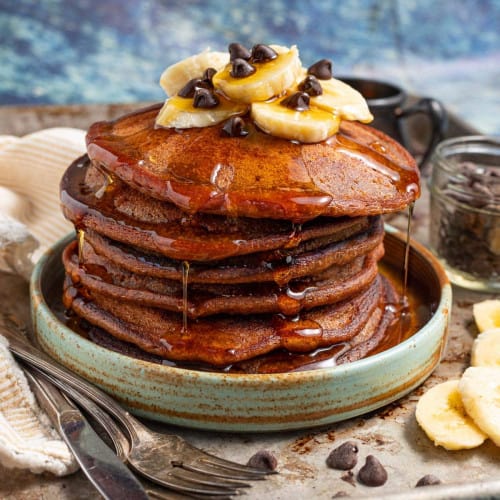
465	210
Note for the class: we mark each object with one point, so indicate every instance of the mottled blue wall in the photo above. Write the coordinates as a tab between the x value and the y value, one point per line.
55	51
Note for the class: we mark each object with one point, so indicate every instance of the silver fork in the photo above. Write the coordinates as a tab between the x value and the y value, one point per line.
165	459
120	442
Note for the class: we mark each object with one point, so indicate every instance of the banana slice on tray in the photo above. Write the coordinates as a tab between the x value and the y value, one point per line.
486	349
442	415
177	75
487	314
479	389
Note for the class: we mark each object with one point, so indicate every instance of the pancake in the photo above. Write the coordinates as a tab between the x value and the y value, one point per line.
358	171
331	285
280	267
275	361
222	340
177	235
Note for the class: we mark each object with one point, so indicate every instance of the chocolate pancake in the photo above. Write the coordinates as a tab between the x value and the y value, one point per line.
177	235
277	360
278	267
358	171
331	285
222	339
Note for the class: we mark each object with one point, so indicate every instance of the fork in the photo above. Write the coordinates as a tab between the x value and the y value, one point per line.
118	438
165	459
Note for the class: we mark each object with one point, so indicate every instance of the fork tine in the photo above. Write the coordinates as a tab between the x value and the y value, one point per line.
246	471
251	472
172	495
207	479
185	486
215	471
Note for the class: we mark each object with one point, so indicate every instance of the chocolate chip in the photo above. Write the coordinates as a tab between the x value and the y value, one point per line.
263	53
321	69
234	127
311	86
428	480
189	89
238	51
372	473
343	457
298	101
263	460
203	98
208	74
241	68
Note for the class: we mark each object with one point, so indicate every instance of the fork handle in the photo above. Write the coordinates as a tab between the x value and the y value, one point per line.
120	442
52	401
30	354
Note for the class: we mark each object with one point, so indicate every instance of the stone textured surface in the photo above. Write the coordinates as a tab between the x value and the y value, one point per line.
88	51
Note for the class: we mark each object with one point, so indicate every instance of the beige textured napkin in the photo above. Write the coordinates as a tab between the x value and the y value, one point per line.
30	222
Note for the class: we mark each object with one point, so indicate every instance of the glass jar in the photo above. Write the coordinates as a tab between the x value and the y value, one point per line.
465	210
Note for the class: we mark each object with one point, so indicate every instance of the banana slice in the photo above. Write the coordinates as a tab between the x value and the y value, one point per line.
480	392
312	125
442	416
486	349
339	98
179	112
487	314
342	99
270	79
177	75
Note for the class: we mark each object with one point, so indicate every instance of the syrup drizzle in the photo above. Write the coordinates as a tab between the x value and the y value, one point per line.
404	305
108	181
185	274
407	249
81	241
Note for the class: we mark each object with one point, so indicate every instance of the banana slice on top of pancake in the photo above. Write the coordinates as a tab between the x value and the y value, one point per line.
177	75
268	72
295	118
203	110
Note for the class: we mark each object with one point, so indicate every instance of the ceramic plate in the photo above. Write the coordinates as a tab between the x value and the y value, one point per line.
262	402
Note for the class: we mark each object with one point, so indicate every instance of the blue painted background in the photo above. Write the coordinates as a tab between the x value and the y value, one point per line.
91	51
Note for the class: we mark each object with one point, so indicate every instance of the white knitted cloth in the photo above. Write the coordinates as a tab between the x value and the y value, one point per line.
27	439
31	221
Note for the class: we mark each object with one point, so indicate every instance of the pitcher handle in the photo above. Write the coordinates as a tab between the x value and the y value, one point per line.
438	117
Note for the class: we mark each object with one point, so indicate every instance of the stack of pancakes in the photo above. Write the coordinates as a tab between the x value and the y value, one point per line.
252	253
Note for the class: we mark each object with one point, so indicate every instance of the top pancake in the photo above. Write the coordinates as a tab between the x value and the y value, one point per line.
358	171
